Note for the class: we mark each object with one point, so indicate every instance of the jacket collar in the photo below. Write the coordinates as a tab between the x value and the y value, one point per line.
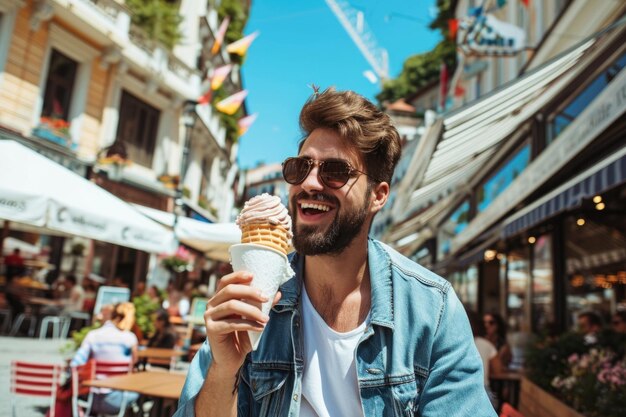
380	277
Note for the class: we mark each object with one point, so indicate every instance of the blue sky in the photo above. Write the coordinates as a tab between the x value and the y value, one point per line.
302	42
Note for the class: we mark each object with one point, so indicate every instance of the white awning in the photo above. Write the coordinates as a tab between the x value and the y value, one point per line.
474	133
481	126
37	191
213	239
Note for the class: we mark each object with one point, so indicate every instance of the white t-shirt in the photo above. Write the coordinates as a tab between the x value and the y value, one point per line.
329	381
487	351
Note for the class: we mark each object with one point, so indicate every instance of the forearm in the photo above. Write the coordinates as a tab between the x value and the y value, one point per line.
218	396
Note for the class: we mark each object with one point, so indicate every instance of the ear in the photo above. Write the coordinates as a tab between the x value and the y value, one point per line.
380	193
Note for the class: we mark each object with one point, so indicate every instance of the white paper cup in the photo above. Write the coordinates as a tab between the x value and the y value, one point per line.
270	268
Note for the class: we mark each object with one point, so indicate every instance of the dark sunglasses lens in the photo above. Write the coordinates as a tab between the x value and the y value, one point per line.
335	174
295	170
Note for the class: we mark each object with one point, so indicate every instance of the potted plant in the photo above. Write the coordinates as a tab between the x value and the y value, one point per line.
569	373
55	130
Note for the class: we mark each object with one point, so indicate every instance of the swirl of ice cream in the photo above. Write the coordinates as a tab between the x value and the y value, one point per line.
264	209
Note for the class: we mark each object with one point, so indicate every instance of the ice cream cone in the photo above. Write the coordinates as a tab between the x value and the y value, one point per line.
273	236
270	268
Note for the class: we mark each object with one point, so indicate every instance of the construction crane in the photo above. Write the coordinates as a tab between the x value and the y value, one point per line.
354	23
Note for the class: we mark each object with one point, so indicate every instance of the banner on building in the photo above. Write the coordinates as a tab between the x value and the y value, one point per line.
245	122
241	46
219	75
219	37
231	104
486	35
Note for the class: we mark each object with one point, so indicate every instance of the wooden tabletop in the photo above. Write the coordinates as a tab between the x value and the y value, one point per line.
159	353
166	385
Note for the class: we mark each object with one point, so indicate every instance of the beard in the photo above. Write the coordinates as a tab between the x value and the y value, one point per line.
314	240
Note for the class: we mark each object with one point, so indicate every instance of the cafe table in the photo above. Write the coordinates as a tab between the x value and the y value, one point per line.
156	385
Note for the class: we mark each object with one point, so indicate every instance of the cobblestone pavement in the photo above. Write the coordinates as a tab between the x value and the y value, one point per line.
27	349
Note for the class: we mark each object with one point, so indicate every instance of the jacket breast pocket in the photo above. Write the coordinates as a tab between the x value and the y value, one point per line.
266	391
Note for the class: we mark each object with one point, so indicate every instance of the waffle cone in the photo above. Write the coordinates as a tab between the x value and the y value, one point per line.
273	236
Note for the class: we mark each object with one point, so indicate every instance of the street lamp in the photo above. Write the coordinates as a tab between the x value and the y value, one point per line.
189	120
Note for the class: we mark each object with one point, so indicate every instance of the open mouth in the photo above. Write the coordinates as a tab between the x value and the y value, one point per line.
313	211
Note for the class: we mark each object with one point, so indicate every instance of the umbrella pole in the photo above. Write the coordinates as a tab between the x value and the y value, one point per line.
4	235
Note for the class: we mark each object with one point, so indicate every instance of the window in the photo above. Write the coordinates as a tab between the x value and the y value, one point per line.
543	284
499	181
518	280
454	225
137	129
465	284
59	86
559	121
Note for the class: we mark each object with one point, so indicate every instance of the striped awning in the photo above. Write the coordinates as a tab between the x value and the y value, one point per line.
598	179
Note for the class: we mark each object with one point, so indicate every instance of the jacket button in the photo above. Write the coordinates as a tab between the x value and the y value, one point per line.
295	397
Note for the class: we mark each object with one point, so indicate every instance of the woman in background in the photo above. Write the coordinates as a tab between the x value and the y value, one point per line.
495	329
113	342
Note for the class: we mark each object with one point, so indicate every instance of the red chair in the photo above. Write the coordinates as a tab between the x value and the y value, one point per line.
35	380
508	411
106	369
79	374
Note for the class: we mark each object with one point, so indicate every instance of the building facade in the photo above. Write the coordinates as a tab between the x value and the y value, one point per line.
516	197
84	86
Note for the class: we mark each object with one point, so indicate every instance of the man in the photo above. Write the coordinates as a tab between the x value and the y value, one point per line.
589	324
618	322
14	264
360	330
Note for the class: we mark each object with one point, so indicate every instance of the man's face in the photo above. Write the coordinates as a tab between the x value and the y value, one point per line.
326	220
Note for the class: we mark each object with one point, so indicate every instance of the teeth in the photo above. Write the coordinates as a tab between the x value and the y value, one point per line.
315	206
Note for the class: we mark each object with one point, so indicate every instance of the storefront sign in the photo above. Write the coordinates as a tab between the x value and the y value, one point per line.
600	114
490	36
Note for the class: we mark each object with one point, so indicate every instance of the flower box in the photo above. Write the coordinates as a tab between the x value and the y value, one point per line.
535	402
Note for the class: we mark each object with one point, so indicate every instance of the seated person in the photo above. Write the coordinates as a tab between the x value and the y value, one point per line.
113	342
164	337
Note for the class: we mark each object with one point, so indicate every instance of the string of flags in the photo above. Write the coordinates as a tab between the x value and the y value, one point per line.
231	104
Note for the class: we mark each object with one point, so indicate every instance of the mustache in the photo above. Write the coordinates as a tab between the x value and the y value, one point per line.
320	197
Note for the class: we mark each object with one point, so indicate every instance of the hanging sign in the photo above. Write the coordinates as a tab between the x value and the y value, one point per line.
486	35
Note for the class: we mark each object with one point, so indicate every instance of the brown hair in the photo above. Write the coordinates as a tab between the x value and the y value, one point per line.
359	122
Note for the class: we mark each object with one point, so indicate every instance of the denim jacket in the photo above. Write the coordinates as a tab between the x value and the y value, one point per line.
416	358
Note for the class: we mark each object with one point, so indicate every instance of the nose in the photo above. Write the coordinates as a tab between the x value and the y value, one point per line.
312	181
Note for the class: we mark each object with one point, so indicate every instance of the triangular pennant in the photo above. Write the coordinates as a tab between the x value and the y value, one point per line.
453	27
219	37
219	75
206	97
231	104
244	123
241	46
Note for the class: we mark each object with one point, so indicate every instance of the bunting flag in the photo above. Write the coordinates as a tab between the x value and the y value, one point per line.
459	91
219	75
526	3
231	104
453	27
475	11
501	3
206	97
241	46
245	122
219	38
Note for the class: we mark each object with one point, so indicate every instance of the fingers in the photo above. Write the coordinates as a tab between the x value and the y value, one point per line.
277	298
237	308
237	291
233	325
238	277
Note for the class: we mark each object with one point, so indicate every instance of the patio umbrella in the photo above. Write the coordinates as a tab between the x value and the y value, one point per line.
37	191
213	239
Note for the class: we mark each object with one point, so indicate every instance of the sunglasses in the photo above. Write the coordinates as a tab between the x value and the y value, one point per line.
490	322
333	173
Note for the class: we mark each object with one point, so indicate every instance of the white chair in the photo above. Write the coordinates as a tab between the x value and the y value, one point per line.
58	326
17	324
